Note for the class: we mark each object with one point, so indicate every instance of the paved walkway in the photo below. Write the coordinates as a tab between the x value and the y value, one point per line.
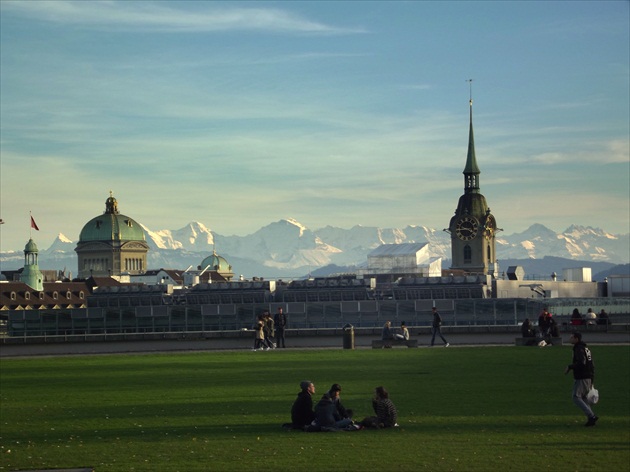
302	342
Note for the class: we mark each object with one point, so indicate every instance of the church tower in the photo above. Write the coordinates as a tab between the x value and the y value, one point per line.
473	228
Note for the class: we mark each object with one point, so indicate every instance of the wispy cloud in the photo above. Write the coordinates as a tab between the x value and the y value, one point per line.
610	152
154	16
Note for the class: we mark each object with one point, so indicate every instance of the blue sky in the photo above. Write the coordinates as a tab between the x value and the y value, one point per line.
239	114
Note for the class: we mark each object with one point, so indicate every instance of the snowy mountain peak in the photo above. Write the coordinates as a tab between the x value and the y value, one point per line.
193	236
296	223
196	228
61	244
63	238
578	232
288	248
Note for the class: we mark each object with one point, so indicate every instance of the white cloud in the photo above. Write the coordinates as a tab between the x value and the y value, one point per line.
154	16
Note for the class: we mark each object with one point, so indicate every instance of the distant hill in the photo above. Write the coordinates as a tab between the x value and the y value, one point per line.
288	249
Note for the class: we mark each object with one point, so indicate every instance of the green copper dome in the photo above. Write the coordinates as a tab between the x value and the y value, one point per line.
30	247
216	263
112	226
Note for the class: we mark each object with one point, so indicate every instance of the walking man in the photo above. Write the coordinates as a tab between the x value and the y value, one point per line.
583	373
436	328
280	321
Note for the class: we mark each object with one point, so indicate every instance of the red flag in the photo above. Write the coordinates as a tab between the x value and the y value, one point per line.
33	224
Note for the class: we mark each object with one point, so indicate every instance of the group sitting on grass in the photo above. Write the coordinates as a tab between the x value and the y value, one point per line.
329	414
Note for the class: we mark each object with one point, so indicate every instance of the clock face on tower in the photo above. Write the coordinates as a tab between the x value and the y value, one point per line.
466	228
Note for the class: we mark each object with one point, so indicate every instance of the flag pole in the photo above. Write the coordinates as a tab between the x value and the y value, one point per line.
30	225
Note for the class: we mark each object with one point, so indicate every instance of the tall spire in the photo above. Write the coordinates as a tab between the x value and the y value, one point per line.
471	171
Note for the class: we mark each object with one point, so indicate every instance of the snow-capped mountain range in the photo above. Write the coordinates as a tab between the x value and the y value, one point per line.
287	248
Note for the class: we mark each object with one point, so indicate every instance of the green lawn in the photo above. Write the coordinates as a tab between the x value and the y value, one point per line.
466	409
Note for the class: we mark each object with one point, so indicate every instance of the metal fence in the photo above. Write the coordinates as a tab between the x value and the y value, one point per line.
365	313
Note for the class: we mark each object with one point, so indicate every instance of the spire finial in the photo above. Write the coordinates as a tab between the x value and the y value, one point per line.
470	81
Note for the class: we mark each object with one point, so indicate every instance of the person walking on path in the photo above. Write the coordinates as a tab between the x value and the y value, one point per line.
436	328
269	330
280	320
583	374
259	337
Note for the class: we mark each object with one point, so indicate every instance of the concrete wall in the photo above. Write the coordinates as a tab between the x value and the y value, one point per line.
535	288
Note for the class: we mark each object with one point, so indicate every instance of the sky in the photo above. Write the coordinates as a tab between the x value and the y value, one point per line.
240	114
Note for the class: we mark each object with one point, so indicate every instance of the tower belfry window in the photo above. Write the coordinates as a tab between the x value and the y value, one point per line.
467	254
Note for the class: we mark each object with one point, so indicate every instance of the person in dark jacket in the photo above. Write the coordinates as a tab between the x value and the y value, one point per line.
335	394
330	413
386	335
603	318
583	374
302	413
436	328
553	327
527	330
543	323
280	321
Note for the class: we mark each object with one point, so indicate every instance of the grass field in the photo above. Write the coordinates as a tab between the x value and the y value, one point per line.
462	409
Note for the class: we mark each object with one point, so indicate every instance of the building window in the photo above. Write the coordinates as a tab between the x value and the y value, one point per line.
55	295
27	295
467	254
68	294
81	295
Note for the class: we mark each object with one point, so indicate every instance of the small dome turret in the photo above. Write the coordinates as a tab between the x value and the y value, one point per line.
31	247
217	264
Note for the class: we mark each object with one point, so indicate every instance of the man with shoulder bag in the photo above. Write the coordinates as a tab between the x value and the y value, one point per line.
583	374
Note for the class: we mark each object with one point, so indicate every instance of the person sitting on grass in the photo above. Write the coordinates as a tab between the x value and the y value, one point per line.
386	414
330	413
302	413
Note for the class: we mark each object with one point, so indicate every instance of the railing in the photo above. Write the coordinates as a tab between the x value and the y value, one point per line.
361	314
614	329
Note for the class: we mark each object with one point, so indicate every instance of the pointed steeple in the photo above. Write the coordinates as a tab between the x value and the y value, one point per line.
471	171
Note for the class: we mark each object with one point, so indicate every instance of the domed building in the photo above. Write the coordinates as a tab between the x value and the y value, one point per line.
218	264
111	244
